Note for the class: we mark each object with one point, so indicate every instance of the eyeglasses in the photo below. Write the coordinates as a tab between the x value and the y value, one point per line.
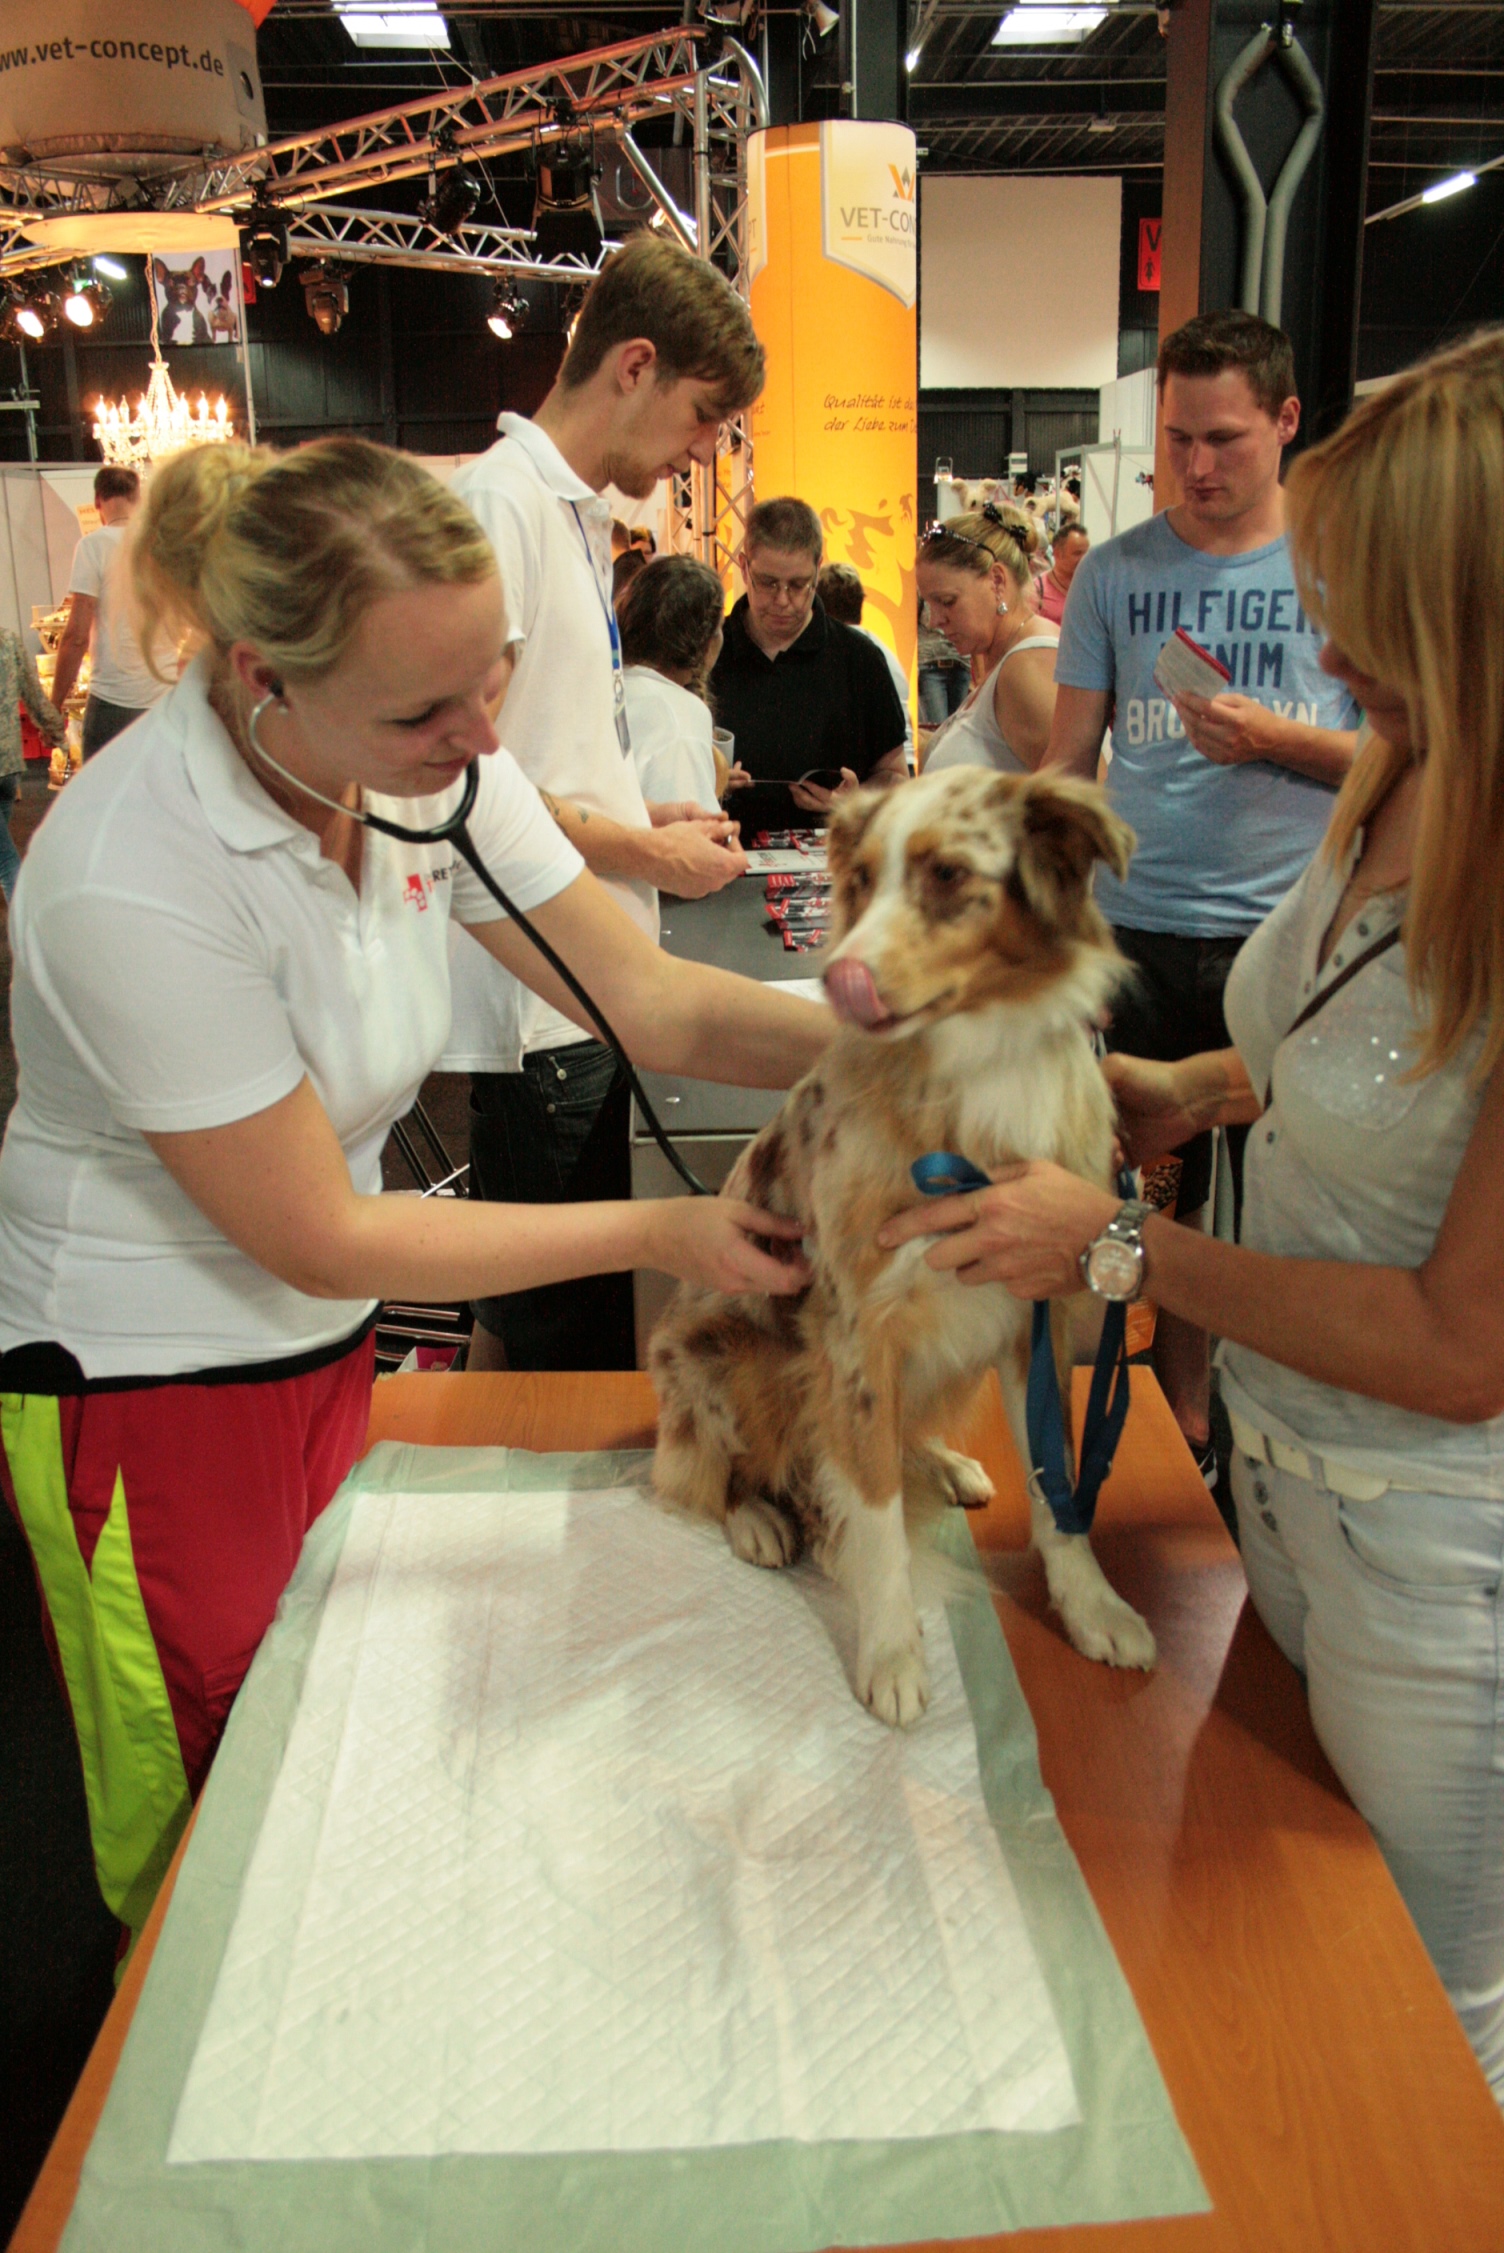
795	589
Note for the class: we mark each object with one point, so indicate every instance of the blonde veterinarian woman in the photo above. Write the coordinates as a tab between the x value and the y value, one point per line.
1363	1312
225	992
979	591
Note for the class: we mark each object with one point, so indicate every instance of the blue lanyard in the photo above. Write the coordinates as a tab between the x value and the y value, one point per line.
618	678
944	1173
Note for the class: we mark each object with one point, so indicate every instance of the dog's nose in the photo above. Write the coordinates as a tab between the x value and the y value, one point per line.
853	993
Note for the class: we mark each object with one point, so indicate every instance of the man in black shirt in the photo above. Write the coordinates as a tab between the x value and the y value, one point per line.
799	692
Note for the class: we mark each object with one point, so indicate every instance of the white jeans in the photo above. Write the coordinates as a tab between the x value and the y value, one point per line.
1393	1611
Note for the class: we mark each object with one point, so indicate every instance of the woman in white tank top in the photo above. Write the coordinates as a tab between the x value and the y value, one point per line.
975	579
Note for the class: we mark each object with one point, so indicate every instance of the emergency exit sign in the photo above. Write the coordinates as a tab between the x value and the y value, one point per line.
1148	253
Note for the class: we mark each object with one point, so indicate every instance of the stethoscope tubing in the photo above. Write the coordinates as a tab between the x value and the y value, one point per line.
454	829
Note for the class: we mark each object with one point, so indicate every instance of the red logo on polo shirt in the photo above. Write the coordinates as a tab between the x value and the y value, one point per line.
415	891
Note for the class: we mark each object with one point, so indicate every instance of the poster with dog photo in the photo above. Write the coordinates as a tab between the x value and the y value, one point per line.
198	297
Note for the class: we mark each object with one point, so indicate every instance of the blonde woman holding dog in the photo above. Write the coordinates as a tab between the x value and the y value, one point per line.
980	592
1363	1312
227	989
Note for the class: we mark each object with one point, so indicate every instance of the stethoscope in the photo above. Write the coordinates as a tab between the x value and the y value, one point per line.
454	829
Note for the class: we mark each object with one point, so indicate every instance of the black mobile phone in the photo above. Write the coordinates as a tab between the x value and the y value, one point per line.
823	778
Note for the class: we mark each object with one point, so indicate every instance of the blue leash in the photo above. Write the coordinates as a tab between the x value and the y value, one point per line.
942	1173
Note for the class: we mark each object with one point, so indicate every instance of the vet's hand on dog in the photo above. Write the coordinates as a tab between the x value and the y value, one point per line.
1026	1232
709	1240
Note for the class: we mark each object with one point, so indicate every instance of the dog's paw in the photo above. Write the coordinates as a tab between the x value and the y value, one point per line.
1097	1620
963	1479
760	1534
894	1682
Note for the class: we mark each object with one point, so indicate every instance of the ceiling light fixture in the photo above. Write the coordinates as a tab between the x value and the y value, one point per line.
451	201
395	27
509	310
263	244
29	315
566	215
1030	24
1452	187
113	268
911	59
85	303
326	293
160	422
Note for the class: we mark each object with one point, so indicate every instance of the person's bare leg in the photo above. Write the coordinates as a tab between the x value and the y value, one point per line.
486	1351
1182	1363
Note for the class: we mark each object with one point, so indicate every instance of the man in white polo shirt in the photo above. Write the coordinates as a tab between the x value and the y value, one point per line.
121	686
662	352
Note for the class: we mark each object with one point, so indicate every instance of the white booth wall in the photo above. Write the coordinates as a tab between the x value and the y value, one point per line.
1018	282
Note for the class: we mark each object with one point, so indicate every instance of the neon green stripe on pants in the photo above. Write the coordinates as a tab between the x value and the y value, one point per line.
134	1782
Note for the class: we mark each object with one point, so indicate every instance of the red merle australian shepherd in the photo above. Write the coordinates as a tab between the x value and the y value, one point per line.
966	959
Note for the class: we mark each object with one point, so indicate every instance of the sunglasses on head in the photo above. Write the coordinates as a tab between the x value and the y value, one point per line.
934	533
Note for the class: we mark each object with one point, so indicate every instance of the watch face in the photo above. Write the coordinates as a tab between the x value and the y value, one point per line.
1115	1269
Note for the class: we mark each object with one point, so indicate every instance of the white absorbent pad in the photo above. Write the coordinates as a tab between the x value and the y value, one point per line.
581	1842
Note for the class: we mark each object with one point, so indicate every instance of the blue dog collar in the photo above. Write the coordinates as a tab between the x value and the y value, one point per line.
944	1173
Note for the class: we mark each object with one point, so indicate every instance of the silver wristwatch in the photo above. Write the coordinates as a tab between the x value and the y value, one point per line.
1112	1264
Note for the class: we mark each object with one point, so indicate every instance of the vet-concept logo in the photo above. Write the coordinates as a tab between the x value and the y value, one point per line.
415	891
869	203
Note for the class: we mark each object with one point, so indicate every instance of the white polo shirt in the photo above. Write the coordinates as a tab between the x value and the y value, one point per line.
671	739
119	673
184	955
552	536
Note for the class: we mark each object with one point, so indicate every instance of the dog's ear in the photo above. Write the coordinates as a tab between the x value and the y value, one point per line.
197	273
160	272
1069	826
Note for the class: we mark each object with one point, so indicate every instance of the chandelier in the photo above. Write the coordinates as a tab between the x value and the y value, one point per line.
161	421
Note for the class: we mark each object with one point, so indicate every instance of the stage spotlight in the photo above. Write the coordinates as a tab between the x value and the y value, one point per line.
452	202
508	310
263	244
113	268
29	315
85	303
566	215
326	293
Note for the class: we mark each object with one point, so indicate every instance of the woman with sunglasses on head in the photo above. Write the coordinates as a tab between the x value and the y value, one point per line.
979	591
227	989
1362	1311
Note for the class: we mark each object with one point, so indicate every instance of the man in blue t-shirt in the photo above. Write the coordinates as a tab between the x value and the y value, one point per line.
1229	795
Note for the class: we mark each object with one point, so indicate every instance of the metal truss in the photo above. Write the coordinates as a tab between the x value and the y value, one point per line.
693	71
619	85
708	510
356	236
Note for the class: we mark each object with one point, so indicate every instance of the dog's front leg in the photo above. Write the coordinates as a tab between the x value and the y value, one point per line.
1095	1616
866	1548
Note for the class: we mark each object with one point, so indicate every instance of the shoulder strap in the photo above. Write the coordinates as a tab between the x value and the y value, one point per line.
1359	962
1034	641
1318	1002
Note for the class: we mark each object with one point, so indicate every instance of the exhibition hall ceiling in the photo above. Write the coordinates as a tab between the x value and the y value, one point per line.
1094	106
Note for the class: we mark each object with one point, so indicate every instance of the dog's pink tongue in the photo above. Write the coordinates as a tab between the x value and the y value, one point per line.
854	996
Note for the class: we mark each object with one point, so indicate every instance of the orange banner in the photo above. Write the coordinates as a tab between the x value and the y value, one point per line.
833	250
257	10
